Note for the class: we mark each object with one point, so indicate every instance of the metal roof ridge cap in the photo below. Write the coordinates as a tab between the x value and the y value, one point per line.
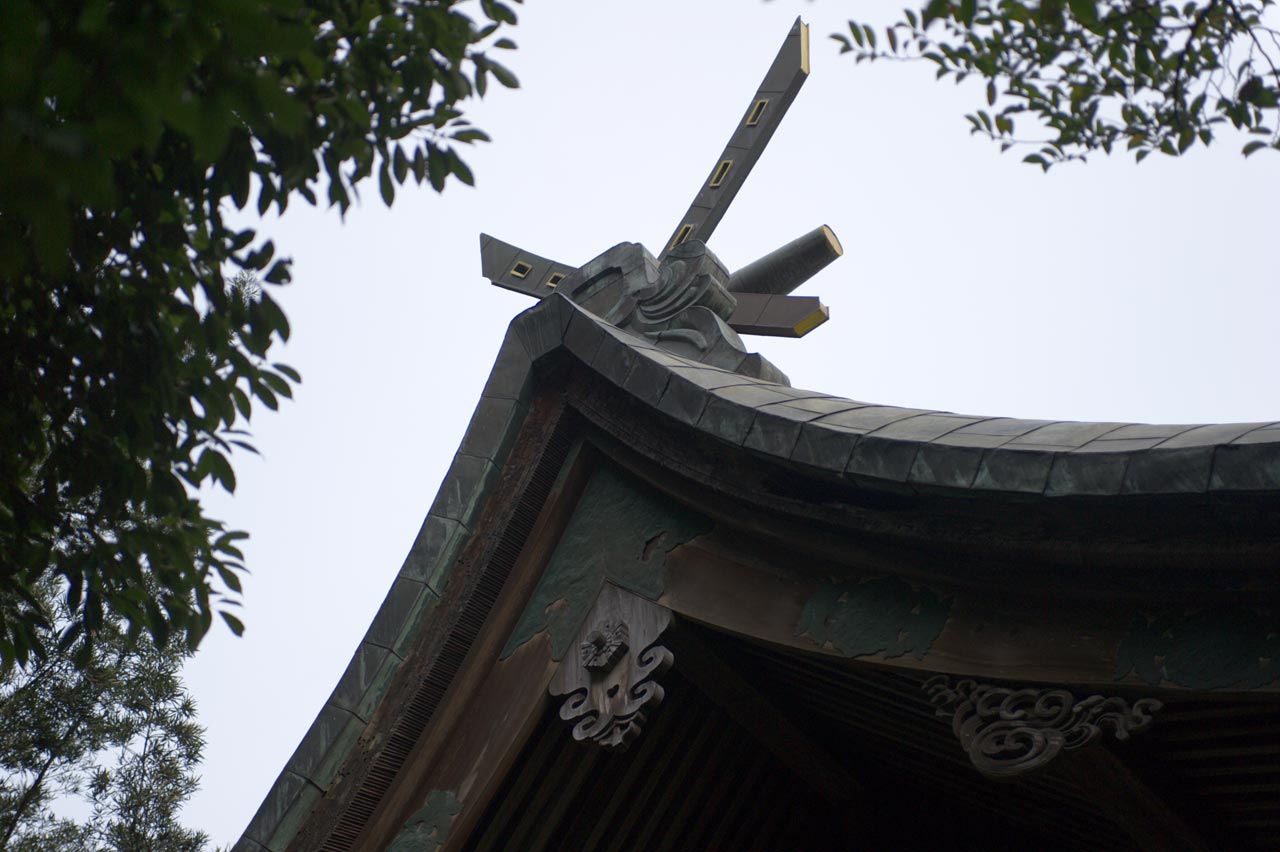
1007	443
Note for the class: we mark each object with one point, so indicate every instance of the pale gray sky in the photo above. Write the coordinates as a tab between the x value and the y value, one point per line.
970	282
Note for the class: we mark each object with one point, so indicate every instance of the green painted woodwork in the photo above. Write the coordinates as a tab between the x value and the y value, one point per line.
885	615
428	828
1206	649
621	531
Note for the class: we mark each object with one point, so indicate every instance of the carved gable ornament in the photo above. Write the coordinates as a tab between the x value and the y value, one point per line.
1010	732
609	682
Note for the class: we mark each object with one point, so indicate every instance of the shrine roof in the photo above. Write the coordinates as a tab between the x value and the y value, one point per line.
871	446
685	294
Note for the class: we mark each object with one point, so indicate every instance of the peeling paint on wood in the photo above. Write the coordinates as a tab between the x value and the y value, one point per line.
886	616
428	828
621	531
1206	649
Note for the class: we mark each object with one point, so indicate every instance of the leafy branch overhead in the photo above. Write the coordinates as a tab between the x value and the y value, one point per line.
129	131
1099	75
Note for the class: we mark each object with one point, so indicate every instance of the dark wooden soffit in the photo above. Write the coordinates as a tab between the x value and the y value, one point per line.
1195	775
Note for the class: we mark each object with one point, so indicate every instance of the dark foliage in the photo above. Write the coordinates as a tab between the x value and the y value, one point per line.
128	131
1100	74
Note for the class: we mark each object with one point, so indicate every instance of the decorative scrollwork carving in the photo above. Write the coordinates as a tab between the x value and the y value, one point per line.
1009	732
682	303
610	687
611	712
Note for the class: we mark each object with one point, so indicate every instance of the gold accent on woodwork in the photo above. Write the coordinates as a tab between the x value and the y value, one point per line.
833	241
804	48
812	321
686	231
721	172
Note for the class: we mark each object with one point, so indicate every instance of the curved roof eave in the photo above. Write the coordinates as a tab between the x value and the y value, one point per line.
893	447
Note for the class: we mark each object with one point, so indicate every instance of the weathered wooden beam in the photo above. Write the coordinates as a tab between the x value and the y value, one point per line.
700	664
777	316
1125	798
783	270
768	105
513	268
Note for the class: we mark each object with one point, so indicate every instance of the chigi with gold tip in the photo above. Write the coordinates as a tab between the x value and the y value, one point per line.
752	300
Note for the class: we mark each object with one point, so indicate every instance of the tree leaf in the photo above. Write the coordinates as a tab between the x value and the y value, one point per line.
230	578
385	185
236	625
1074	64
1084	11
216	465
503	75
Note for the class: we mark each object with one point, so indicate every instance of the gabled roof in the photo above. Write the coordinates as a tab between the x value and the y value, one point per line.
875	449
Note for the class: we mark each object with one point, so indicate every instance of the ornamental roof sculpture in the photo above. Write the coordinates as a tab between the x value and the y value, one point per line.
686	303
684	299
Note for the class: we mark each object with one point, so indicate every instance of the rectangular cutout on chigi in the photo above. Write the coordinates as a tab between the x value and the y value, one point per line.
686	231
520	269
721	172
554	279
757	111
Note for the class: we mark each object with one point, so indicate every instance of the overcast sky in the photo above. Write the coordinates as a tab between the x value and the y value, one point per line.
970	283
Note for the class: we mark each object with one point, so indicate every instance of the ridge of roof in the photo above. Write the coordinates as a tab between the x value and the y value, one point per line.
895	447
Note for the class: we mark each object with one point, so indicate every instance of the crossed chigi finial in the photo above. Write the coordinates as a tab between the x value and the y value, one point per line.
760	303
